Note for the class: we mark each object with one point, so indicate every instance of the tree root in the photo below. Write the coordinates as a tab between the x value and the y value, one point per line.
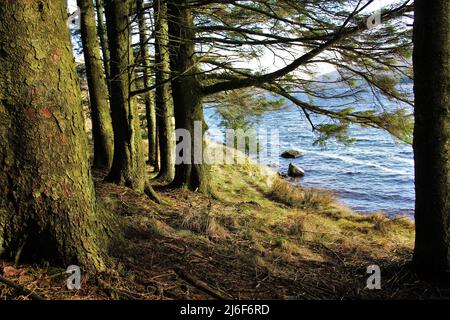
148	190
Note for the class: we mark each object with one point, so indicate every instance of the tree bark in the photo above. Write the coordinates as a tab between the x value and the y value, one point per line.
47	201
158	153
150	113
431	134
101	27
102	131
186	92
128	167
163	97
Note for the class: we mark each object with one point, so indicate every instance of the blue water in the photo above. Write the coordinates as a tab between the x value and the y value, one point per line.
375	173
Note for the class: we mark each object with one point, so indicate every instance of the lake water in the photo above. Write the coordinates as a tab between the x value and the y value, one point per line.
375	173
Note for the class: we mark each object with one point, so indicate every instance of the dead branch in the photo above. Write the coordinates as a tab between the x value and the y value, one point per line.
20	289
199	284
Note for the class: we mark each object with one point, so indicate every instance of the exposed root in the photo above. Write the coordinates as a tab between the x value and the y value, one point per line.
148	190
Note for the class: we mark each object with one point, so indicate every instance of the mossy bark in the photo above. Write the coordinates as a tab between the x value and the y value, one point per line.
128	167
186	92
47	201
163	96
102	131
101	29
150	113
431	138
158	155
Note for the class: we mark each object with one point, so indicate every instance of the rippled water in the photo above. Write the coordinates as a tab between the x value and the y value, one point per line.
374	173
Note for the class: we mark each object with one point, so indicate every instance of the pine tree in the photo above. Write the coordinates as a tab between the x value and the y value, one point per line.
431	138
163	96
187	95
149	101
47	200
128	167
102	131
101	30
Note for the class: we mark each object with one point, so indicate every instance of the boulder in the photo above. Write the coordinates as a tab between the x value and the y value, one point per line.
291	154
295	171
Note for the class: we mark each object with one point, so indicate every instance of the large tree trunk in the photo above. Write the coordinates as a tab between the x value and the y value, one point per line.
103	41
431	134
47	208
164	103
102	131
150	113
187	96
128	167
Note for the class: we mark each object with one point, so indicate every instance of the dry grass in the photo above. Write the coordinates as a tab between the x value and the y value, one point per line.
303	198
203	222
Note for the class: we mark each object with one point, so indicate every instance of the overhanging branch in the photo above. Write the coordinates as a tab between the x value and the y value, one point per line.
269	77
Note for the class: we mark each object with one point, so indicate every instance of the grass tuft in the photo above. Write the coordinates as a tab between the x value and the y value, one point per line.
304	198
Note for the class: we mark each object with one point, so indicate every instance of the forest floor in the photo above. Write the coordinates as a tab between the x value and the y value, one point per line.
259	238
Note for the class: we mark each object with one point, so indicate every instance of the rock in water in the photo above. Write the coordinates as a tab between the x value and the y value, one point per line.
295	171
291	154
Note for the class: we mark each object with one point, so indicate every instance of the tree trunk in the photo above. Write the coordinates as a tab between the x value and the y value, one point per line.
158	153
431	134
164	103
104	42
150	117
187	96
150	113
128	167
47	201
102	131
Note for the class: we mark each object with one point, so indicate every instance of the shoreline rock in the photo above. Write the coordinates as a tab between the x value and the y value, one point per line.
295	171
291	154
